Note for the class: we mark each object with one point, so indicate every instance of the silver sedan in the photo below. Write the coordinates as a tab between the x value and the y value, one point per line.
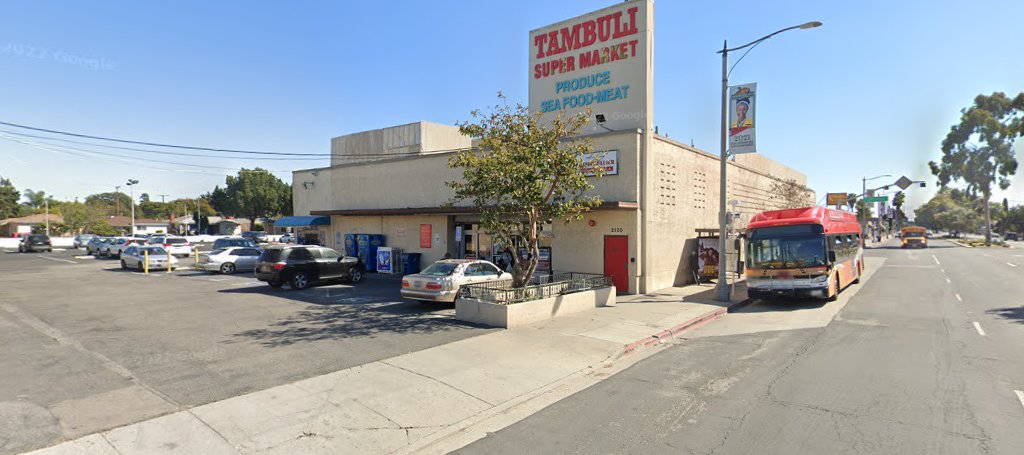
440	281
229	260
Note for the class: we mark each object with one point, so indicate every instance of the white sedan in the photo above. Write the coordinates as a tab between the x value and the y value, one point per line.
440	281
135	256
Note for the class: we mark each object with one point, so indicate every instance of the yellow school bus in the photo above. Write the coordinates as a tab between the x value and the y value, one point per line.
913	237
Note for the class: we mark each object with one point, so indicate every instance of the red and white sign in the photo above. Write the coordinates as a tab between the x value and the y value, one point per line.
608	161
600	60
425	236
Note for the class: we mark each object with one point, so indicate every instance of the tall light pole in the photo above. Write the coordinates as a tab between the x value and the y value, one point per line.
131	185
723	287
117	200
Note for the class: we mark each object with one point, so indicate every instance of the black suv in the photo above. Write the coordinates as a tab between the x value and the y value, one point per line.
300	266
35	242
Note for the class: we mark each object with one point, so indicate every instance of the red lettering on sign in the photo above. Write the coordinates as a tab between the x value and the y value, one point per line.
601	29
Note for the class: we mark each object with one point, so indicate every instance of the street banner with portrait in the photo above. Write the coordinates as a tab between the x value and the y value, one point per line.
741	118
707	257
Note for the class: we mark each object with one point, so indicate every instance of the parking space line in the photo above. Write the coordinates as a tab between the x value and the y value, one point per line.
57	259
947	280
958	297
979	329
1020	396
936	260
1011	264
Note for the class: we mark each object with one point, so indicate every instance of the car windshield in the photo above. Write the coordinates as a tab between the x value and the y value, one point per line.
217	251
153	250
440	269
273	255
786	247
177	241
37	238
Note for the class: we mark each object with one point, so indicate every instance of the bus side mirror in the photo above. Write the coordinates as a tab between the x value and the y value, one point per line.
831	256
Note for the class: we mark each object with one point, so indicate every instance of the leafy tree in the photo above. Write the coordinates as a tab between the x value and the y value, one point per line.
219	200
979	150
525	172
257	193
958	219
788	194
78	217
9	198
109	203
144	197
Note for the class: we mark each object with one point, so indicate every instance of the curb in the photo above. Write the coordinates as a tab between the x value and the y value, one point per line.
672	332
961	244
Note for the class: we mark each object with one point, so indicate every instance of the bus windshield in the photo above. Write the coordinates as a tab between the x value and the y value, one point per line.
914	233
786	247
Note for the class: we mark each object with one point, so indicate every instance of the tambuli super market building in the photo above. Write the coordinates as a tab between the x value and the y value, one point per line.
656	193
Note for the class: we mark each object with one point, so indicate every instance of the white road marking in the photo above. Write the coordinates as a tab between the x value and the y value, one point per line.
978	328
1011	264
959	298
936	260
57	259
947	280
1020	396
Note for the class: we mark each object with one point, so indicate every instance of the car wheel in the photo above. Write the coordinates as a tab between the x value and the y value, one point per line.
123	265
300	280
355	275
227	268
275	284
835	296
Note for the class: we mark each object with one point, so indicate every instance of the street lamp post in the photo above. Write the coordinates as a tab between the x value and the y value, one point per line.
131	185
723	216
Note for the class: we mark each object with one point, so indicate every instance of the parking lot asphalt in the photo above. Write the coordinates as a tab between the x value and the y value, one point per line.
88	346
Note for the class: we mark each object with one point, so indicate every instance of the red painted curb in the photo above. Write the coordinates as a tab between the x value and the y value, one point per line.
671	332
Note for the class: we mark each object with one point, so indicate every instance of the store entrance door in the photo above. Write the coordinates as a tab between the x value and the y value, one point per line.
616	261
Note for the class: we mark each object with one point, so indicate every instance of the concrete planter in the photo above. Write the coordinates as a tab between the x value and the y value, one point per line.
520	314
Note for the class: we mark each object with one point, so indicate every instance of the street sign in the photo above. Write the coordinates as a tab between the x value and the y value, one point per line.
882	199
836	199
904	182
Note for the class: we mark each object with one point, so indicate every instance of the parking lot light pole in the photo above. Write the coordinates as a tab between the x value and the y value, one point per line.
723	217
131	186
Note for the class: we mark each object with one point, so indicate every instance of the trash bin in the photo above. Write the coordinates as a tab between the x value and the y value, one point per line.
411	263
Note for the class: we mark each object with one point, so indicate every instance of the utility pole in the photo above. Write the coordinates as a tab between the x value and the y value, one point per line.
162	198
47	202
117	199
131	184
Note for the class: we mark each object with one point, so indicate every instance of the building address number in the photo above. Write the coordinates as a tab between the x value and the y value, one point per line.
616	229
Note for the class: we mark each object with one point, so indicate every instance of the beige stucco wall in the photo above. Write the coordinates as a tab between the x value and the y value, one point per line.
312	190
392	227
395	141
578	247
621	187
685	197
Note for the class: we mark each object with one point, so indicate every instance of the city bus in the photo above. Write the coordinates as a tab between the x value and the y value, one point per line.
807	252
913	236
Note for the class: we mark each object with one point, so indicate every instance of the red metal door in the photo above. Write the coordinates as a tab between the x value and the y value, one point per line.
616	261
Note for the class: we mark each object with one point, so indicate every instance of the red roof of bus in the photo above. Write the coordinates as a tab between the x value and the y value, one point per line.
832	220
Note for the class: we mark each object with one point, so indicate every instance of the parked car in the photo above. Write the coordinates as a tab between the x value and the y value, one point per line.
300	266
1012	236
177	246
94	245
256	236
287	238
35	242
81	240
229	260
135	255
440	282
228	242
115	248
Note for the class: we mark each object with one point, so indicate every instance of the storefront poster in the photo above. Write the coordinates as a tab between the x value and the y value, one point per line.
741	118
544	260
707	257
385	263
425	236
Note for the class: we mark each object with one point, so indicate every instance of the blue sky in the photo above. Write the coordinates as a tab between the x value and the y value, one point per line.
871	92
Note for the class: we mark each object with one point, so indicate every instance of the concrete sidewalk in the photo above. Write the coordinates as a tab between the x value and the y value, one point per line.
428	401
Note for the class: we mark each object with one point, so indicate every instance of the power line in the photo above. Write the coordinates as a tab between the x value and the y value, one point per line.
210	149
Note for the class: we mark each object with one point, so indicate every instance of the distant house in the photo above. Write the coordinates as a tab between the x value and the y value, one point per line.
142	225
213	225
12	227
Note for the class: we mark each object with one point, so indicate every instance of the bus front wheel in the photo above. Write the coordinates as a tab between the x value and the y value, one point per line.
834	296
